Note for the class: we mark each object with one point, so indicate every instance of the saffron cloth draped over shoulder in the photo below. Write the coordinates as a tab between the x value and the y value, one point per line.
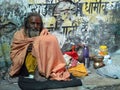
46	50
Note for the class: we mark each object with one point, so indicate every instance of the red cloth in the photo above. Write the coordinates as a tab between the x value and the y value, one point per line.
73	54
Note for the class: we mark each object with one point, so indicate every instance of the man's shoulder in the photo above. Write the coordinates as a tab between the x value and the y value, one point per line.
19	31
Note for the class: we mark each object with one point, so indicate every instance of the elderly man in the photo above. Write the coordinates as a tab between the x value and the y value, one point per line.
34	47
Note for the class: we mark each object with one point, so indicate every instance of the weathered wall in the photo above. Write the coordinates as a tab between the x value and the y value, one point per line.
94	22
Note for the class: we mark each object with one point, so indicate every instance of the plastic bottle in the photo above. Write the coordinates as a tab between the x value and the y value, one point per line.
107	60
86	60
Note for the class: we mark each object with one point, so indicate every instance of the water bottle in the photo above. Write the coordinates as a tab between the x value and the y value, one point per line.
86	60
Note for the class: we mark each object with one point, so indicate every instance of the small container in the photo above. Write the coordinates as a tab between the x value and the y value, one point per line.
98	58
98	62
103	50
107	60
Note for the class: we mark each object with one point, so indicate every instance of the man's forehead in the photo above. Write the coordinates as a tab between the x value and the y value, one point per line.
34	18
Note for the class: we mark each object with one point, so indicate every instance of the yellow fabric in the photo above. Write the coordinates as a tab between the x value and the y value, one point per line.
30	63
78	70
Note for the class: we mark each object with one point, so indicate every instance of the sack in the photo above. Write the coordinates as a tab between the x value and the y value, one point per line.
78	71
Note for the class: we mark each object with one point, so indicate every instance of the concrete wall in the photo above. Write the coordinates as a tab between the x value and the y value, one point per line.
95	22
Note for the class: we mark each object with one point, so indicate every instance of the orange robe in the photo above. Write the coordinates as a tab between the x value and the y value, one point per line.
46	50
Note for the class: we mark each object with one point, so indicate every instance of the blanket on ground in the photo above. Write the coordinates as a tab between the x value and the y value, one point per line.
32	84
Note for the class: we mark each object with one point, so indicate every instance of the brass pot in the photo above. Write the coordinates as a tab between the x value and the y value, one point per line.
98	58
98	62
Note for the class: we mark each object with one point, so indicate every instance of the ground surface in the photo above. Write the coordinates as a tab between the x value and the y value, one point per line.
91	82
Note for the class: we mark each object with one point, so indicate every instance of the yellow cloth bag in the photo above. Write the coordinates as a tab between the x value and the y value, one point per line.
79	70
30	63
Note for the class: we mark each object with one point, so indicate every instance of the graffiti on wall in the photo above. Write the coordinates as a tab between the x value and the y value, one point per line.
94	22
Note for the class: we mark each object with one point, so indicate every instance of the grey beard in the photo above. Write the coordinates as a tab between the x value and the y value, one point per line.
33	32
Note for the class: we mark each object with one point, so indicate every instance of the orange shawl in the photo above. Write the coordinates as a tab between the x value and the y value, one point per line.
46	50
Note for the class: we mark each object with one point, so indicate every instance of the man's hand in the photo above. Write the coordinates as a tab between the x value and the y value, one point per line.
44	32
29	49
